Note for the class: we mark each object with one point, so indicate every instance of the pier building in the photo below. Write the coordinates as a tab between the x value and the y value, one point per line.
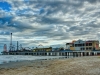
42	49
81	45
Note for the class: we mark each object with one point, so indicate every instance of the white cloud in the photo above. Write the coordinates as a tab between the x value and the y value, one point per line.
57	21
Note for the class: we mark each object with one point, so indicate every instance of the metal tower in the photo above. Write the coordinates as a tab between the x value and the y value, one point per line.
17	46
11	43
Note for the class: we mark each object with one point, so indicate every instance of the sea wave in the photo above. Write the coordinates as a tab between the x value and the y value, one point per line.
10	58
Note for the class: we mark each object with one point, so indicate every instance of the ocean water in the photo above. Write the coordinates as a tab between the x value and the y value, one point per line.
15	58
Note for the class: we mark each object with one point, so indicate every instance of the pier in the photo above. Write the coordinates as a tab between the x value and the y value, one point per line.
53	53
76	48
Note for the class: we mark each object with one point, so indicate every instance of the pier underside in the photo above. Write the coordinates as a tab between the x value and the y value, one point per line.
65	53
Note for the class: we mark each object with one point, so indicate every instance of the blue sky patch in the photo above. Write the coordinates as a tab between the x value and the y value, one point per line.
4	33
5	19
5	6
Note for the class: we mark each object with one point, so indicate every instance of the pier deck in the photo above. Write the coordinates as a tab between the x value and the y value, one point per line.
54	53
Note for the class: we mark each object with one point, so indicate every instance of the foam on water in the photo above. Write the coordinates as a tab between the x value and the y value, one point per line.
9	58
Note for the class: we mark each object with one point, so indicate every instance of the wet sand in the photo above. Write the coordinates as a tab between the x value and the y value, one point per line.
73	66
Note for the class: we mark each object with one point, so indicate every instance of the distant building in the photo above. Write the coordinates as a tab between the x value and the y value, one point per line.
42	49
83	45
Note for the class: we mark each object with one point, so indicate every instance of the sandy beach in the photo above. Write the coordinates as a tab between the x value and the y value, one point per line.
72	66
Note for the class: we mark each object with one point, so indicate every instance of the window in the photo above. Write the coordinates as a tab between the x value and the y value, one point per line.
80	44
82	48
87	48
72	45
90	44
75	45
86	44
90	48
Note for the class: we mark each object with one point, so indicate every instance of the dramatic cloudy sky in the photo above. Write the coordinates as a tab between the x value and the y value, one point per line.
48	22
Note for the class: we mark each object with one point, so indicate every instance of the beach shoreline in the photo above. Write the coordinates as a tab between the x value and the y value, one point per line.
72	66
